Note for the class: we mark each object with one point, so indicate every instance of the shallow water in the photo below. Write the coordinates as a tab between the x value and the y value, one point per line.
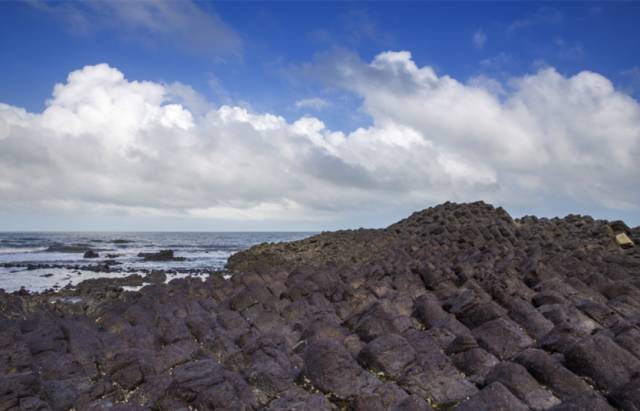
23	254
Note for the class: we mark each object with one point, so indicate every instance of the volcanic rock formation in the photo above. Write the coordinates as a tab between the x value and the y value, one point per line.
456	307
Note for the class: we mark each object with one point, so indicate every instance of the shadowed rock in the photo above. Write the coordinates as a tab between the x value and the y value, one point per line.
162	255
388	354
493	397
91	254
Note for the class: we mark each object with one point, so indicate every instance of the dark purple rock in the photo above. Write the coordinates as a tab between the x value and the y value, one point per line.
329	367
493	397
501	337
91	254
162	255
388	354
516	378
602	360
416	316
547	371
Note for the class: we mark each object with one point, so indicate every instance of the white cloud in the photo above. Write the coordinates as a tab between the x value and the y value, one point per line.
189	98
479	39
314	103
106	144
492	85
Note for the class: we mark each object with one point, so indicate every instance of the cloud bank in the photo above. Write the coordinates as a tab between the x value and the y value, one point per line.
108	145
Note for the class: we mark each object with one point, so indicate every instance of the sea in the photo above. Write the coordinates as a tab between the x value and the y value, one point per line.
52	260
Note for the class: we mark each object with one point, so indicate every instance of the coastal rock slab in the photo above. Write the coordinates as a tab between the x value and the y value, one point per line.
493	397
502	337
330	368
389	354
516	378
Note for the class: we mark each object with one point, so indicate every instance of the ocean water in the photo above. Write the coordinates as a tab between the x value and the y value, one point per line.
26	259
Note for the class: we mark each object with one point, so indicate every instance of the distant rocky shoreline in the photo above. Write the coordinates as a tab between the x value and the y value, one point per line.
114	273
456	307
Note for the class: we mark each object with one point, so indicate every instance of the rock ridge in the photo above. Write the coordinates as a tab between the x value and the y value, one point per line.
458	306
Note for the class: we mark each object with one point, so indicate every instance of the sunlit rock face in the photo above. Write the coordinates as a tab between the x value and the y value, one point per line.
458	306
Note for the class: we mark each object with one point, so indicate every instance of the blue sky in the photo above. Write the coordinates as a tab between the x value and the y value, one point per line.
289	59
40	48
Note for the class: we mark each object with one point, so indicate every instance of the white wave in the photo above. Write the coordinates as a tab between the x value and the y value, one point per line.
21	250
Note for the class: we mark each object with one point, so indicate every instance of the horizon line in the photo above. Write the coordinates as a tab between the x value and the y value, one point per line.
161	231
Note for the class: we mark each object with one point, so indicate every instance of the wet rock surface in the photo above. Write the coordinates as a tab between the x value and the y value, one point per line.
162	255
91	254
456	307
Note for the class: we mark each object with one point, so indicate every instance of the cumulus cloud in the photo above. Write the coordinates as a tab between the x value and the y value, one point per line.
551	136
107	144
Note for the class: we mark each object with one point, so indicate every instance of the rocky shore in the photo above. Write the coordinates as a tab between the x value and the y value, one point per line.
456	307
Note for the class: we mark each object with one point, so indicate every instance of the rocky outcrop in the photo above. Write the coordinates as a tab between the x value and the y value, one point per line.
121	241
456	307
66	248
91	254
155	277
162	255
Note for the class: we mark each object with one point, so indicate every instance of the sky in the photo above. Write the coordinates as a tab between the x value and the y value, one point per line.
182	115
